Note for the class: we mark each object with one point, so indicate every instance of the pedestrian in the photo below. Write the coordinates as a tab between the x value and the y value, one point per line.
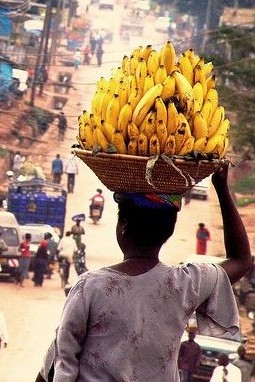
3	245
77	231
97	201
24	259
4	335
71	169
140	307
79	260
57	169
77	58
99	54
52	253
189	357
202	235
62	125
86	55
66	250
226	371
243	364
40	263
18	162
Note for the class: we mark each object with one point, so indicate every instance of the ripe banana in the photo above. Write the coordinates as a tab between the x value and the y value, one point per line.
187	146
86	136
168	57
169	148
149	128
212	95
125	118
172	118
153	62
142	146
217	118
132	146
185	91
168	88
113	110
118	142
180	137
199	76
200	144
100	139
108	129
208	68
207	110
182	120
198	93
213	141
145	104
148	83
160	75
134	98
154	145
161	111
211	82
200	128
161	131
133	131
141	73
224	128
186	68
146	52
133	64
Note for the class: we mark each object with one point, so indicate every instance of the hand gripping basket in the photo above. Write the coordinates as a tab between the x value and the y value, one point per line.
160	174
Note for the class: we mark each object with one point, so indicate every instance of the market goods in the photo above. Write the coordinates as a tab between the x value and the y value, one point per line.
157	102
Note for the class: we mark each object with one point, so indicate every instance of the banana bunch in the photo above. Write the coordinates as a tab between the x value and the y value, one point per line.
157	102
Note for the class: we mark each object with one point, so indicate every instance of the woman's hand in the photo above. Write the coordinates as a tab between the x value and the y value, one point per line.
219	178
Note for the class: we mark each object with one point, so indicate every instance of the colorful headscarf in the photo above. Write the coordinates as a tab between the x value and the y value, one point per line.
150	200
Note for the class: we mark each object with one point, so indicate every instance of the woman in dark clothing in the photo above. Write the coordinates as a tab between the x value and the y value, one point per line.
40	263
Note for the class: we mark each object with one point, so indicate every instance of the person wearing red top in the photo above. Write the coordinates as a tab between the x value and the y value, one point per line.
202	235
98	201
24	259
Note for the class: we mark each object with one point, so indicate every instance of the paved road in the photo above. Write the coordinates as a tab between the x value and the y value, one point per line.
32	314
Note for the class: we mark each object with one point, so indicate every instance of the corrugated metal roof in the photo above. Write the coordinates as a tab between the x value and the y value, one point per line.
243	17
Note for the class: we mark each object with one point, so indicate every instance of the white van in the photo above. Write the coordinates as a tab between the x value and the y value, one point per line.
12	236
201	189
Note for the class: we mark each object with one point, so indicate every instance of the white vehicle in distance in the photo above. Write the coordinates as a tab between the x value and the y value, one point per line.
201	189
106	4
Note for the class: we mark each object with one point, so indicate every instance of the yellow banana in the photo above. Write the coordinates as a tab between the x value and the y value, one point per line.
138	52
153	63
145	103
108	129
141	73
100	139
102	84
197	106
199	76
210	82
160	75
86	136
148	83
161	131
122	91
148	116
112	84
95	101
125	65
168	57
117	74
149	128
85	117
154	145
81	144
186	68
198	93
213	96
169	148
132	146
131	83
146	52
133	131
113	110
133	64
142	146
217	118
200	144
221	147
186	94
104	103
95	120
213	141
225	149
194	58
223	128
172	118
182	120
168	88
200	128
161	111
118	142
208	68
207	110
187	146
125	118
180	137
134	98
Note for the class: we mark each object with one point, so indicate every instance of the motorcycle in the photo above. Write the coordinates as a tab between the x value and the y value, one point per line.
96	213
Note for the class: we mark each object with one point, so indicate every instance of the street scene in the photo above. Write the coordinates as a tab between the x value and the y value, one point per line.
92	39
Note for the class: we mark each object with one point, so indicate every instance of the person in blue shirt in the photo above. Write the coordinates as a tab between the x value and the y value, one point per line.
57	169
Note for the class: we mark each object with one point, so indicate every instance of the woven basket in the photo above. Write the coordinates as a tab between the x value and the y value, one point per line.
126	173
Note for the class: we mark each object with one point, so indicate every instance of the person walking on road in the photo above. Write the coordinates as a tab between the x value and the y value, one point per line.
71	169
4	335
140	307
66	250
226	371
189	357
244	365
62	125
99	54
80	260
24	259
40	263
202	235
77	231
57	169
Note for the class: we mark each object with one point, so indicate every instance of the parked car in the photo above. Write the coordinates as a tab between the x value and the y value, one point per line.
201	189
211	347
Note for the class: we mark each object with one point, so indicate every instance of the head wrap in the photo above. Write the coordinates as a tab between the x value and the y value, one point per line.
150	200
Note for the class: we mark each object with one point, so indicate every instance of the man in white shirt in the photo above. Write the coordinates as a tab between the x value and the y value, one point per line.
71	169
226	371
66	249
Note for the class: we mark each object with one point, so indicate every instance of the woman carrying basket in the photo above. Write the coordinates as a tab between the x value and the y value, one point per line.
125	322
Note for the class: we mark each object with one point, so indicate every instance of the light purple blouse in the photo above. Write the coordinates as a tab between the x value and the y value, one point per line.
116	327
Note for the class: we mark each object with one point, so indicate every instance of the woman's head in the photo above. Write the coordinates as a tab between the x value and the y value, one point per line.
144	220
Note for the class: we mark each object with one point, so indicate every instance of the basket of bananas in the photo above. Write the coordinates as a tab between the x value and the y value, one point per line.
156	125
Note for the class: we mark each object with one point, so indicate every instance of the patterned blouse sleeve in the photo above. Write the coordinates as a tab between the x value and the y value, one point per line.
217	313
71	334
